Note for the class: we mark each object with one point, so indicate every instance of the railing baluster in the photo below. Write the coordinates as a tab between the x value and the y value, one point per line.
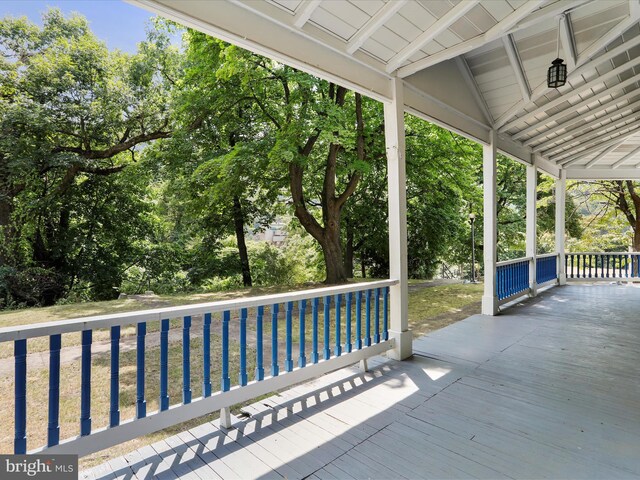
259	339
275	369
315	355
186	360
511	279
572	264
206	355
607	266
626	266
288	361
347	310
359	319
367	319
225	382
302	358
376	330
53	429
327	347
85	384
619	258
338	347
20	359
164	364
114	406
141	403
385	322
242	377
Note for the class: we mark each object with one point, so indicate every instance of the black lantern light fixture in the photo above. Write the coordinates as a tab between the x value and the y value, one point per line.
557	74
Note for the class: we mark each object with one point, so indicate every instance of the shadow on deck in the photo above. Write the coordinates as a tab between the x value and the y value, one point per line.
548	389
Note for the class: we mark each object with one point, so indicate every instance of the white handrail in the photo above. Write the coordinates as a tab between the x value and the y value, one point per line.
21	332
515	260
602	253
547	255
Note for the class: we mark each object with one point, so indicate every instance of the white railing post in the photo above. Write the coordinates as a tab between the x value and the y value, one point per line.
397	187
561	191
489	170
532	237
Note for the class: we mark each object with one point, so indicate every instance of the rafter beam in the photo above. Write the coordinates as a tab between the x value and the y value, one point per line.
509	114
542	88
607	38
568	41
572	92
545	13
516	65
626	157
535	141
601	155
304	12
495	32
473	87
589	138
587	127
373	24
635	127
431	32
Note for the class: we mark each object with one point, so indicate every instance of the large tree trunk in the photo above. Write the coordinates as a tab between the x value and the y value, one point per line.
238	222
328	236
332	250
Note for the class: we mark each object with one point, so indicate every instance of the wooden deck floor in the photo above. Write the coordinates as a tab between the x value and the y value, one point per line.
549	389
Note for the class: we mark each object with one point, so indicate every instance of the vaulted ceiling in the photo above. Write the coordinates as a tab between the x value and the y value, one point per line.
471	65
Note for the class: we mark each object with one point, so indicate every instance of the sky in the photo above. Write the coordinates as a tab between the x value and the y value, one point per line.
115	22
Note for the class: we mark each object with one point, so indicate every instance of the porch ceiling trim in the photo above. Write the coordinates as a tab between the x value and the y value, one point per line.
603	174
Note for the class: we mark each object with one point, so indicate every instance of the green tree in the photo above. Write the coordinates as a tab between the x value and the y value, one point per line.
73	114
220	145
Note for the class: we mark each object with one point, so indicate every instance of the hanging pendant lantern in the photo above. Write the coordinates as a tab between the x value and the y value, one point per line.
557	74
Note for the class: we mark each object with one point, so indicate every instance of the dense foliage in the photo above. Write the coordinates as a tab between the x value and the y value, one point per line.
124	173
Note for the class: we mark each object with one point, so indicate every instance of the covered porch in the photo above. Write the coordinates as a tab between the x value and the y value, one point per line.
546	390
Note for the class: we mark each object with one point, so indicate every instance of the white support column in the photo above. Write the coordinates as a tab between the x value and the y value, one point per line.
561	192
532	240
489	171
397	188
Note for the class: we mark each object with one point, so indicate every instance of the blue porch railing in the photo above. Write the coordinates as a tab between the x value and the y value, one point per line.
349	333
546	268
599	266
512	278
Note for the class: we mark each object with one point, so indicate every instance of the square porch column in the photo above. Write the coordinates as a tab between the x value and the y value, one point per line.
397	189
532	217
561	195
489	170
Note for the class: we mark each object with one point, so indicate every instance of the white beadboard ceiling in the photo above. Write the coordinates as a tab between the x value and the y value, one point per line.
471	65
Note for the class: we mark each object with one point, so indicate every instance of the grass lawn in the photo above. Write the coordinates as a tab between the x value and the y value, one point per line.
430	308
